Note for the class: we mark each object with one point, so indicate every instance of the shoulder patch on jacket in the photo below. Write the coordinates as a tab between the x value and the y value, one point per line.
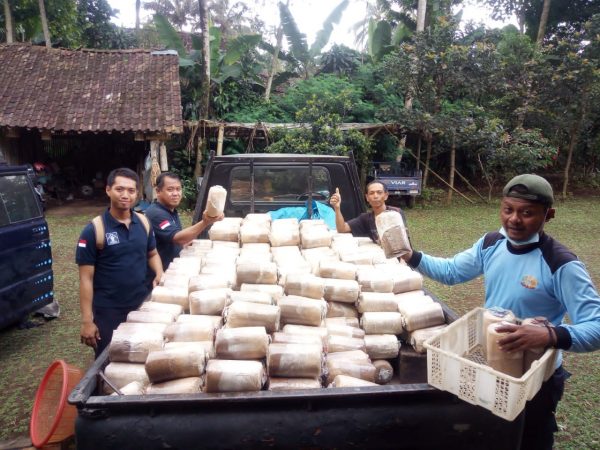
491	238
555	254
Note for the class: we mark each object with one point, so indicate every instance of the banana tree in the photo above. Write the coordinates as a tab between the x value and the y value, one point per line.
305	56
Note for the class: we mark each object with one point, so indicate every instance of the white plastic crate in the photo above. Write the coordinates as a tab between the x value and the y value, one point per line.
449	370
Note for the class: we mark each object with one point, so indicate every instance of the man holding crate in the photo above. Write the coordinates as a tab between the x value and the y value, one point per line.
530	273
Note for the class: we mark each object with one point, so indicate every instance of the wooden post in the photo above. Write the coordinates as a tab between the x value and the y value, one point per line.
154	149
220	139
164	164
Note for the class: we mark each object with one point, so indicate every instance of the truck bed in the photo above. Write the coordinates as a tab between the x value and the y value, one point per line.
405	414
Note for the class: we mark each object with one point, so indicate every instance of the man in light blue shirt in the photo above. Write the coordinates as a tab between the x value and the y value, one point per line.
533	275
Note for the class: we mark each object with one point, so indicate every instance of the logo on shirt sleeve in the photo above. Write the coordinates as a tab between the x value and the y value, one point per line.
529	282
164	224
112	238
82	243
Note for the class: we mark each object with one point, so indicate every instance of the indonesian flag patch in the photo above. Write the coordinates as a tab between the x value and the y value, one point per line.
164	224
82	243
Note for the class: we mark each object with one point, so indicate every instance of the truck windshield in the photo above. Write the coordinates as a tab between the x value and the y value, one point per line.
272	184
17	200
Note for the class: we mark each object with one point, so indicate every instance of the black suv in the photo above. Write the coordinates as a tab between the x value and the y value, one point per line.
26	279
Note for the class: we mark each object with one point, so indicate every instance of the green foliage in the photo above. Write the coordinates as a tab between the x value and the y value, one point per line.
340	60
524	151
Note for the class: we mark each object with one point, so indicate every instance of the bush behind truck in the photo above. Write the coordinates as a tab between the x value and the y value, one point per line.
406	413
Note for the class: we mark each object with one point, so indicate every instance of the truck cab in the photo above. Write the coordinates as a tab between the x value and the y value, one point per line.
26	278
402	183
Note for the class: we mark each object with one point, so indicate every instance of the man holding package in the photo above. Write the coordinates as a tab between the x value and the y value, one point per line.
364	225
531	274
171	237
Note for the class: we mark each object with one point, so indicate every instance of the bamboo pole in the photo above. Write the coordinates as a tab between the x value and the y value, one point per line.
442	180
470	185
220	139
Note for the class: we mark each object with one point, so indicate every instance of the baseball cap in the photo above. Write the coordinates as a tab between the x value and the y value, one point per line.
530	187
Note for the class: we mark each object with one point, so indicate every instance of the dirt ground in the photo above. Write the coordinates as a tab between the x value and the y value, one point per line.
87	207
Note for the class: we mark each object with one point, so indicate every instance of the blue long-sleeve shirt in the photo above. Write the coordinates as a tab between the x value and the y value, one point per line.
541	279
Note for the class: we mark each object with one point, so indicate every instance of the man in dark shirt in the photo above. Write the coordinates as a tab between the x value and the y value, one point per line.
364	225
112	273
163	215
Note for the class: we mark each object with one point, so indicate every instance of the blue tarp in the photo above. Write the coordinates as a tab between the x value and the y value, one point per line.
319	211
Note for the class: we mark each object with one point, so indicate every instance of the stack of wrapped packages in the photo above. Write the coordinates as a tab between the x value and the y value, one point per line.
272	304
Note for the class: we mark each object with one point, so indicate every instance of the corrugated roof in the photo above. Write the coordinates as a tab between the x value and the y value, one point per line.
89	90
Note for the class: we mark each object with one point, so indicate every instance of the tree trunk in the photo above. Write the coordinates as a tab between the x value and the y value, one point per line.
204	83
9	23
137	14
45	24
419	143
572	143
543	22
429	138
421	11
452	167
274	61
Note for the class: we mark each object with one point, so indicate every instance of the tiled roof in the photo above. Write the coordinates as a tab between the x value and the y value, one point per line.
89	90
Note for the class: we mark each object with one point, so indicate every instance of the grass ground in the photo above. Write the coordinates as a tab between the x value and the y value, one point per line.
25	354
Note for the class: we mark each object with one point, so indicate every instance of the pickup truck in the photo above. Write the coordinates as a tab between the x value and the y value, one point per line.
402	184
407	413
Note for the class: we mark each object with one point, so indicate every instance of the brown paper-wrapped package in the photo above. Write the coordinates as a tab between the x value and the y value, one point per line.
274	290
134	346
418	337
209	301
304	286
142	326
177	296
225	375
258	273
348	321
337	290
384	372
165	365
281	236
494	315
292	384
150	317
121	374
382	323
374	281
190	385
337	269
189	332
215	201
242	343
295	360
505	362
254	232
337	309
176	310
203	320
407	280
422	316
280	337
376	302
321	332
209	281
301	310
343	343
342	381
224	231
358	369
171	278
251	297
244	314
207	346
345	330
532	354
382	346
350	355
315	236
133	388
409	295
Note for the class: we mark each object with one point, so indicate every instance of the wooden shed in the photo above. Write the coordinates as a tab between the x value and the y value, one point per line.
87	111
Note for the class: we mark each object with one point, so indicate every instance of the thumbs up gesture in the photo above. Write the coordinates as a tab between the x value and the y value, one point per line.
336	199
